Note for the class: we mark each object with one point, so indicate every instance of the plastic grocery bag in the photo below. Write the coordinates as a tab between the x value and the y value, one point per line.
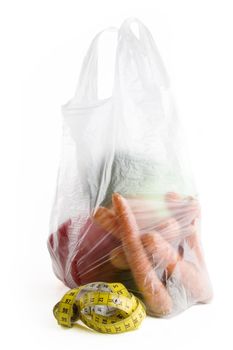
126	208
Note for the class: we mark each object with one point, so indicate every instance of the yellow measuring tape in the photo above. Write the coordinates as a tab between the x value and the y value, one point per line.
104	307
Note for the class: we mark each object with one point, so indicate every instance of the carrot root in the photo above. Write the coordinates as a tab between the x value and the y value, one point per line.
155	294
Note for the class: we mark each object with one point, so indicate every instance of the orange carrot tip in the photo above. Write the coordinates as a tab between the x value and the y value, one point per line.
160	250
101	213
97	212
117	199
173	197
106	218
174	201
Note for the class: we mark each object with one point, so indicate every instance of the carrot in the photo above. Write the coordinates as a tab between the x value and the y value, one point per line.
153	243
118	258
193	277
169	229
155	294
184	209
106	218
194	243
157	249
160	251
194	280
172	199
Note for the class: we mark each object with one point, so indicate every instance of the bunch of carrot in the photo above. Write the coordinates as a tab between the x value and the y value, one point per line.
143	253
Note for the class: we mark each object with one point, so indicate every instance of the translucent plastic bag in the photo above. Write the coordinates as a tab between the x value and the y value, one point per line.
126	209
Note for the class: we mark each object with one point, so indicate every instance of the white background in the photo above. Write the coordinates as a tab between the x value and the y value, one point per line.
42	47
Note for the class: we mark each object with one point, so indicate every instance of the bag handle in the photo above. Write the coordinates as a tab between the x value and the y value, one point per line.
87	88
144	45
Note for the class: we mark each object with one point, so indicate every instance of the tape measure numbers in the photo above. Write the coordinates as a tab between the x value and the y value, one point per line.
104	307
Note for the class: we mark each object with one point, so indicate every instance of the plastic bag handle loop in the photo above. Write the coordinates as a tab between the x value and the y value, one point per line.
141	48
87	88
145	45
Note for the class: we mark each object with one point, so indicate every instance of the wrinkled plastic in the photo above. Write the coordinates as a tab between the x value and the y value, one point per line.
126	208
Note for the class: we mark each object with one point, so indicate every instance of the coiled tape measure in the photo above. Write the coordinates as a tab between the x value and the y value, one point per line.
104	307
